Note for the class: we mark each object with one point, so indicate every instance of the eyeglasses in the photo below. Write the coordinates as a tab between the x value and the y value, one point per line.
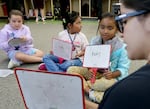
120	18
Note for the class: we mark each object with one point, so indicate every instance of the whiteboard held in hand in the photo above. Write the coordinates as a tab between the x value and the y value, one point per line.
97	56
62	49
45	90
15	42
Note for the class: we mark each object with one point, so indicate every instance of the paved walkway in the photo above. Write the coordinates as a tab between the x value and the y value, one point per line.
42	33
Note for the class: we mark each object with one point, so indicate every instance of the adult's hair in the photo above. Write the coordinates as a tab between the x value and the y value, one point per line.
70	18
107	15
137	4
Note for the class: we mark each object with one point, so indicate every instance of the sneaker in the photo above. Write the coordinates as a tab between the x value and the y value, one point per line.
43	19
42	66
95	96
36	20
13	64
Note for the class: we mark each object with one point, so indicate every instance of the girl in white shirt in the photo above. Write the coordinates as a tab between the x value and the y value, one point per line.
72	35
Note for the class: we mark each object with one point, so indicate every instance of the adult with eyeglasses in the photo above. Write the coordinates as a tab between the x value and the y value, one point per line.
133	92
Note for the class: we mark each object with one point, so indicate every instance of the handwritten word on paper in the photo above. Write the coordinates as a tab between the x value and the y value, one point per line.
97	56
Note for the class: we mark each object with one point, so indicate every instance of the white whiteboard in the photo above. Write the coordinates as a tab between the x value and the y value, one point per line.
50	91
62	49
97	56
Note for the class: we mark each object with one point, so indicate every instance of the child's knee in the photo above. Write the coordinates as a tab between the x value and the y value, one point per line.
46	57
40	53
72	69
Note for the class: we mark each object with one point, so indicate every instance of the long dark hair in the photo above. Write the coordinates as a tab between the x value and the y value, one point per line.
137	4
70	18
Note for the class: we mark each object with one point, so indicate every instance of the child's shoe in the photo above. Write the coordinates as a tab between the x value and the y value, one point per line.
42	66
13	64
96	96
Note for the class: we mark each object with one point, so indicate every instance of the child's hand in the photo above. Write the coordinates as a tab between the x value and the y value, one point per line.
79	54
101	70
23	38
108	74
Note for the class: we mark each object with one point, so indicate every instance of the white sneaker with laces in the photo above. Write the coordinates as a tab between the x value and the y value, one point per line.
36	20
95	96
43	19
13	64
91	95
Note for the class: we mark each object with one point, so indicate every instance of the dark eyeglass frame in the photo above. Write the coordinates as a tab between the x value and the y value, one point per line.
120	18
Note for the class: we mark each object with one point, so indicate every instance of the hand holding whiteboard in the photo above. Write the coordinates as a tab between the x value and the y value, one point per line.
97	56
15	42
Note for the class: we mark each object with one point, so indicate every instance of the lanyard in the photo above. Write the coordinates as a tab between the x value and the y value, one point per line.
72	40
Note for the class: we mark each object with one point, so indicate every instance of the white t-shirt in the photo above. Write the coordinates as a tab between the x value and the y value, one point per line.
79	40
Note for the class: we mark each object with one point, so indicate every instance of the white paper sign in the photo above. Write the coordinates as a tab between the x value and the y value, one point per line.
97	56
62	49
5	72
42	90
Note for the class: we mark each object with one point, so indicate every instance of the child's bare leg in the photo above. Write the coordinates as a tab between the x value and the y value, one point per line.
90	105
28	58
38	53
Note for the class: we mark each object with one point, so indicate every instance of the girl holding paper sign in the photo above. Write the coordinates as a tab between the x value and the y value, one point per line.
72	35
119	60
17	42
